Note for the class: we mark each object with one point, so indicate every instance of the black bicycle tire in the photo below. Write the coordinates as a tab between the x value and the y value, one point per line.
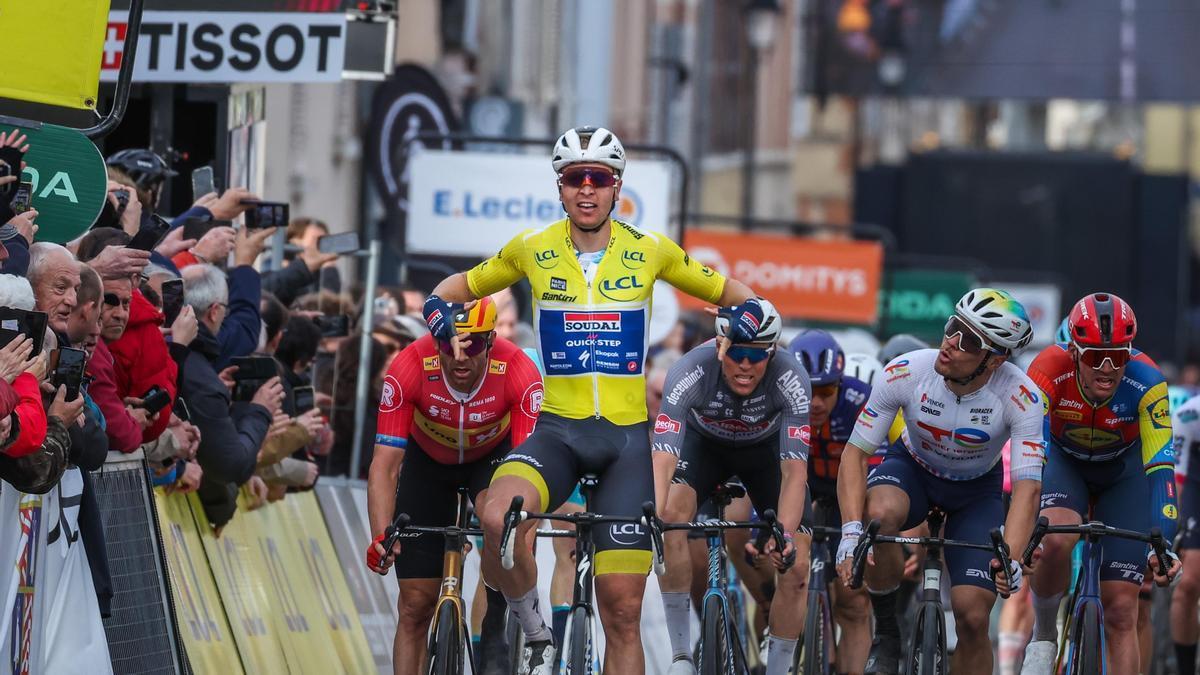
1087	656
712	645
817	625
514	637
446	649
579	660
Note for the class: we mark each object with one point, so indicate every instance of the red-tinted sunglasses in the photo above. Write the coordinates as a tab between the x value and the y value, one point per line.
471	346
1094	357
600	178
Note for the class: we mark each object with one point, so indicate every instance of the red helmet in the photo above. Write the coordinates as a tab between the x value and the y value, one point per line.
1102	320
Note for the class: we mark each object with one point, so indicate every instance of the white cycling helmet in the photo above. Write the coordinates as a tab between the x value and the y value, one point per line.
768	330
862	367
997	316
589	145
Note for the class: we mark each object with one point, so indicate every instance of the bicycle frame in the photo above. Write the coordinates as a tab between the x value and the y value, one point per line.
1087	589
820	561
718	585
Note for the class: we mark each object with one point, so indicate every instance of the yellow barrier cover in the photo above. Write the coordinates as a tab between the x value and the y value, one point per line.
52	51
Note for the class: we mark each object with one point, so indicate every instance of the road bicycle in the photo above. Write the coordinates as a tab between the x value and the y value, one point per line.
721	650
1084	641
449	636
927	655
816	653
578	655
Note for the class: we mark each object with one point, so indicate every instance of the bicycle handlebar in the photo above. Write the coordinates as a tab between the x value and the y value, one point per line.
514	517
1096	529
1000	549
652	522
771	529
860	553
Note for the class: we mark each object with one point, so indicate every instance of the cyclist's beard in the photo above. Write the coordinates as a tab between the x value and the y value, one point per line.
978	371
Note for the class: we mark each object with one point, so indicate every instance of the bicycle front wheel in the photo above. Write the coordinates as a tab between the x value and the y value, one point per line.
928	649
446	647
579	658
818	637
515	639
714	645
1086	654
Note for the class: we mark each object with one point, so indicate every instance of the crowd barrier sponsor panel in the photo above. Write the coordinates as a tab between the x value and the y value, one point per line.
320	578
240	584
199	610
374	596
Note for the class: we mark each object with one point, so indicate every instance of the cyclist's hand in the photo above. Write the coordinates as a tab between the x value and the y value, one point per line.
742	321
1007	583
1174	567
439	314
845	557
377	562
912	565
782	560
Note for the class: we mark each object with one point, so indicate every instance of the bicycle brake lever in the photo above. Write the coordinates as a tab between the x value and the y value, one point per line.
1000	548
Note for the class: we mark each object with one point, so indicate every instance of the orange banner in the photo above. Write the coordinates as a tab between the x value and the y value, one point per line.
804	278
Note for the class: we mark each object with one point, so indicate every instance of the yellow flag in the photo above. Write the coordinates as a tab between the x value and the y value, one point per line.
52	51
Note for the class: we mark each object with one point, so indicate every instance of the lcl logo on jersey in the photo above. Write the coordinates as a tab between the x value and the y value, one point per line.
547	259
633	260
621	289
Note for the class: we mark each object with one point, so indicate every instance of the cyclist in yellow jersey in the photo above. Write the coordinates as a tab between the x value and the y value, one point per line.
592	280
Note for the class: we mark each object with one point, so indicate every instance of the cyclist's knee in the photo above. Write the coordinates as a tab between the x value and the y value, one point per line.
1121	611
416	606
680	506
971	619
621	612
888	512
852	607
795	580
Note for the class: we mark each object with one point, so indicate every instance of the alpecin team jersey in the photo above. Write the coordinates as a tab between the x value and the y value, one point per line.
952	437
696	396
830	440
458	427
592	330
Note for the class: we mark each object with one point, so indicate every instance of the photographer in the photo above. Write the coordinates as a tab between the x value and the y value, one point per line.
230	433
23	422
16	235
309	270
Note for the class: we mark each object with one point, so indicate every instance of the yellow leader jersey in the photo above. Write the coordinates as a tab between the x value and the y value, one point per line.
593	329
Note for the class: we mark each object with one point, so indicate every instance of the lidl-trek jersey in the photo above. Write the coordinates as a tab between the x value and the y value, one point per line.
1136	418
592	330
458	427
952	437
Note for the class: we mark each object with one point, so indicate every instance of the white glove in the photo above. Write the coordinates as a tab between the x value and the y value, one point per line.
1014	577
851	531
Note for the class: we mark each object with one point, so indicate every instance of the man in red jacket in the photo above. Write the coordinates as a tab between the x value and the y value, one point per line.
139	353
123	422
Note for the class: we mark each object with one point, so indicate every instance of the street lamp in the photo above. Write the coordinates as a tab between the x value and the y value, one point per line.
761	18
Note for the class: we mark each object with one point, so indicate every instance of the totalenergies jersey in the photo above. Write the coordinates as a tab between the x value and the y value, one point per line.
830	440
1137	415
458	427
592	329
955	437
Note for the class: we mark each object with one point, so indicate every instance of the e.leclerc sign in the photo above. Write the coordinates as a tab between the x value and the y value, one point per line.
68	178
